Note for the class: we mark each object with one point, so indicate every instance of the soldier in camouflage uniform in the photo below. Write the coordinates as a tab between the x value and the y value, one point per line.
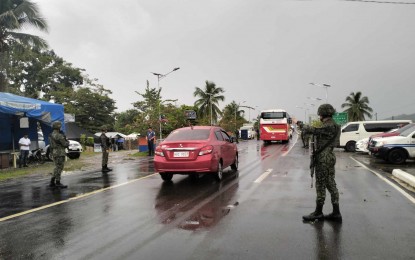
105	146
326	138
306	137
58	143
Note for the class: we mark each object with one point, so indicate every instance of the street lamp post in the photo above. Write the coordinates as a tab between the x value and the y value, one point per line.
324	86
160	77
305	112
315	98
249	112
236	110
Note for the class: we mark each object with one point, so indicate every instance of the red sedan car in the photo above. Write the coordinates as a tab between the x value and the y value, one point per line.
194	150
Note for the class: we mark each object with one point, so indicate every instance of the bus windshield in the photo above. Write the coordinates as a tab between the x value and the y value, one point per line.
273	115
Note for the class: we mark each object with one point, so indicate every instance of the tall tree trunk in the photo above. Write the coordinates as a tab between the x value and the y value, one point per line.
3	82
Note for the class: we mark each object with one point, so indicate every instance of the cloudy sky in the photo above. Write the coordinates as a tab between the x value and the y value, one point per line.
262	52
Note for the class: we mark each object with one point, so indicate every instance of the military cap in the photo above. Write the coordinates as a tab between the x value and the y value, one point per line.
326	110
57	125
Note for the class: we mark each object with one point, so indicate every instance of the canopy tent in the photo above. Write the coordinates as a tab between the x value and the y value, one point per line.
132	136
112	134
13	108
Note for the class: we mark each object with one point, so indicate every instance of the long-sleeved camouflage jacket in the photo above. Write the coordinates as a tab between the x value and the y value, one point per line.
58	143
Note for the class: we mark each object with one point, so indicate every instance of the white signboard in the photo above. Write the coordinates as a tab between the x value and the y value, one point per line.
24	122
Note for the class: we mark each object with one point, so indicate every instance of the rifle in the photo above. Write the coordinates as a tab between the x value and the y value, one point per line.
313	158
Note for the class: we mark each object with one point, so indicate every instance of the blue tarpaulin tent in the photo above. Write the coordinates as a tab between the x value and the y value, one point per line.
13	108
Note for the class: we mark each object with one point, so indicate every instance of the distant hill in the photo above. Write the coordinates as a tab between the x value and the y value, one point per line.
404	116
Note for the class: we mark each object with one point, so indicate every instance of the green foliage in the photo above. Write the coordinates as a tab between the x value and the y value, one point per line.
83	140
56	79
208	101
316	123
357	107
44	72
93	108
14	16
89	141
232	117
86	141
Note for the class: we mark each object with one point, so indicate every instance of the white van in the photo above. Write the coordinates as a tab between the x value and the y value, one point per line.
250	131
355	131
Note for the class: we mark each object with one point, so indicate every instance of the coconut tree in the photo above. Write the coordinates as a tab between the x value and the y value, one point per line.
208	101
357	107
14	16
232	118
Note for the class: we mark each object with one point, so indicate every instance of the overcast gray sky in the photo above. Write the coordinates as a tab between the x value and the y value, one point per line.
262	52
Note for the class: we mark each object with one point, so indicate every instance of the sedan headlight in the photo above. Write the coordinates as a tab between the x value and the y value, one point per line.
379	143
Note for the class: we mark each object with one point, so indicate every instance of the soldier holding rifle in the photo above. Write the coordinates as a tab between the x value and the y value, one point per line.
323	160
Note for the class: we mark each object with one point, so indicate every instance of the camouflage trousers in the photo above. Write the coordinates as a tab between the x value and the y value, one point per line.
325	179
59	163
104	157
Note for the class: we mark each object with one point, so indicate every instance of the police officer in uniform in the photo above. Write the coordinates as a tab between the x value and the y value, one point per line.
326	138
105	146
58	143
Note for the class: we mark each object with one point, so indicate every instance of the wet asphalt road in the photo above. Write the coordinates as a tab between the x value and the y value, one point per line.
255	213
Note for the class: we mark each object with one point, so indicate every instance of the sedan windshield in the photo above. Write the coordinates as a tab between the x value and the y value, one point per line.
188	134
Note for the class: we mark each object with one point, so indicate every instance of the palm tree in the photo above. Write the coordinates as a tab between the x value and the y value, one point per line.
232	116
208	100
15	15
357	107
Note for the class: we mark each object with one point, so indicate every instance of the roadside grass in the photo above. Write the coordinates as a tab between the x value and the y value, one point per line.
12	173
47	167
139	154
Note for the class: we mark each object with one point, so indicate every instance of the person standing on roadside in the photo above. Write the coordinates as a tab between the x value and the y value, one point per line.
323	162
24	144
105	146
58	143
150	136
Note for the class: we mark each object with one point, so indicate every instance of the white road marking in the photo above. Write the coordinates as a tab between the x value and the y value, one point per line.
404	193
263	176
71	199
291	147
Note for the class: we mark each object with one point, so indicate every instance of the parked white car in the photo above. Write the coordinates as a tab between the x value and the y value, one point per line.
361	145
396	149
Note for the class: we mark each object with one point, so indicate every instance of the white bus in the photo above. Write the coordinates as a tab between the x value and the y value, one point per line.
275	125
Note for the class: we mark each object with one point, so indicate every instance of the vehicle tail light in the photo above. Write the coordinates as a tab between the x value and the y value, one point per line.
206	150
159	152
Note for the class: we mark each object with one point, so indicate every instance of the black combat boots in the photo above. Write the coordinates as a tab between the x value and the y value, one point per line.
316	215
335	215
106	169
60	185
52	182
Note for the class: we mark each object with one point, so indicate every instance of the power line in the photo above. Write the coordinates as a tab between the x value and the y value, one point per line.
382	2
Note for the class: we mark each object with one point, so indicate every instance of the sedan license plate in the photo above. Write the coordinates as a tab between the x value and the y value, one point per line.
181	154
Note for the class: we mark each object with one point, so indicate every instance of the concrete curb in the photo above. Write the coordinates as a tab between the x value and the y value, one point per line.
404	176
